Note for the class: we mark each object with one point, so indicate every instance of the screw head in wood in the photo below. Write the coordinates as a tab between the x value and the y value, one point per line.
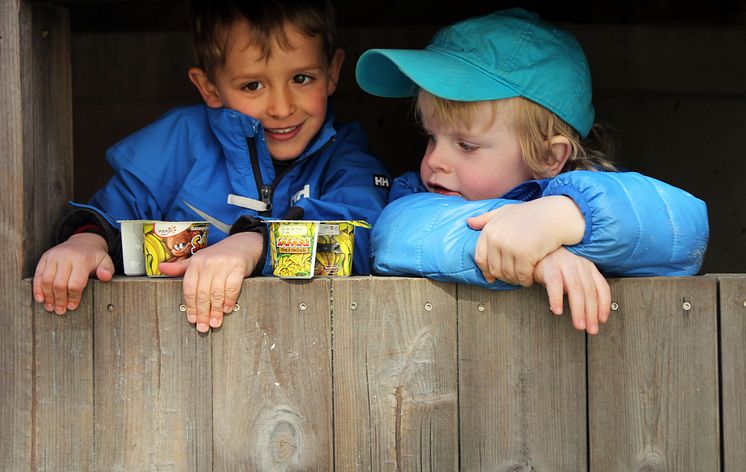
686	306
182	307
614	306
481	307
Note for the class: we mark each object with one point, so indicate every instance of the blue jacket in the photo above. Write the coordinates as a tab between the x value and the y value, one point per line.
635	226
186	164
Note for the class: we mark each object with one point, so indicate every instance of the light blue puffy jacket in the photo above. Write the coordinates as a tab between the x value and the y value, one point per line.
635	226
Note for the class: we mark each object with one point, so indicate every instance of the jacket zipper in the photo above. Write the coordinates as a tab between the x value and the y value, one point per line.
292	166
264	191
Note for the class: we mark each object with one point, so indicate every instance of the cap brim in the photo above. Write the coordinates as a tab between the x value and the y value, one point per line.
401	72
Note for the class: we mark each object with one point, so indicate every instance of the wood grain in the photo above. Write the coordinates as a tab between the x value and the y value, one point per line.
153	380
47	125
653	382
63	388
521	383
24	147
272	379
733	348
395	389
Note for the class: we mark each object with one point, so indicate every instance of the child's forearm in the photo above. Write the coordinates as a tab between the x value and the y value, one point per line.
564	217
636	225
426	235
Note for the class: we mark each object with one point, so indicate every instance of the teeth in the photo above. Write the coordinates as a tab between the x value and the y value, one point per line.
281	130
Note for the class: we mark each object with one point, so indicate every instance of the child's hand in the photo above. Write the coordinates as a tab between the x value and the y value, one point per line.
62	272
588	293
214	275
516	237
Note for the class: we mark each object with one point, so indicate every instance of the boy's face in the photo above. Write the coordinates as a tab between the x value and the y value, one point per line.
286	92
481	162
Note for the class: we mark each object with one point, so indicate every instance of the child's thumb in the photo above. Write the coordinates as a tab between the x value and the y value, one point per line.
478	222
105	269
174	269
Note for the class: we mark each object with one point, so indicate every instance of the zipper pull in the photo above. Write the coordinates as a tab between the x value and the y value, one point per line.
267	196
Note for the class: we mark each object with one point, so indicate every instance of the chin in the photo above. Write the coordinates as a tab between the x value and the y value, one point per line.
284	154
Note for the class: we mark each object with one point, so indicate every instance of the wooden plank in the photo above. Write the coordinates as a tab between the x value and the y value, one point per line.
16	344
653	382
521	383
16	368
272	379
47	126
153	380
733	358
63	388
63	359
395	379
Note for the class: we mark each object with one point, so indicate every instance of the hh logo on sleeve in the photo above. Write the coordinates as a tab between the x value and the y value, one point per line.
381	181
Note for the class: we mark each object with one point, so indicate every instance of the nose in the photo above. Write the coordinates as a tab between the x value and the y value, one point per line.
280	103
436	157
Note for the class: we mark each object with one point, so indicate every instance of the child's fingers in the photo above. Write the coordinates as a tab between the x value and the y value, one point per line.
604	297
174	269
591	303
576	300
232	290
555	290
203	299
503	268
217	300
524	272
47	283
105	269
478	222
60	287
189	287
38	284
481	258
76	284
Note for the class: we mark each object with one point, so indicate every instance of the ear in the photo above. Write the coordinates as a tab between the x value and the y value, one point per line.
206	88
559	151
334	69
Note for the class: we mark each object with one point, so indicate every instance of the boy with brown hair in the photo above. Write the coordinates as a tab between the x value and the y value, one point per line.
264	144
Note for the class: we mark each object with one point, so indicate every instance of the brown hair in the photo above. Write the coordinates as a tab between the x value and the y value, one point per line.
212	21
533	124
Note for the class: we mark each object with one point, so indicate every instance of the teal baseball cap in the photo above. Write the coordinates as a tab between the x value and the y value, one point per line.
508	53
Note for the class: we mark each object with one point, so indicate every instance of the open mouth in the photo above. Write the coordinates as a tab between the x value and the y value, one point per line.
283	133
287	130
439	189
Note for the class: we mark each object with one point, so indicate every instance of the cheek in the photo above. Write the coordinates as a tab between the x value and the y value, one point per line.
485	181
315	101
252	108
425	170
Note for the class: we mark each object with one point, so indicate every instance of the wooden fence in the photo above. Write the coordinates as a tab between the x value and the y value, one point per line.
361	374
384	374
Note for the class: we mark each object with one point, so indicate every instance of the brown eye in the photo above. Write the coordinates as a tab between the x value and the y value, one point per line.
301	79
252	86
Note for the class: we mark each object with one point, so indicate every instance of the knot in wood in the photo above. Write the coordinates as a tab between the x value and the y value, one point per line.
651	462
